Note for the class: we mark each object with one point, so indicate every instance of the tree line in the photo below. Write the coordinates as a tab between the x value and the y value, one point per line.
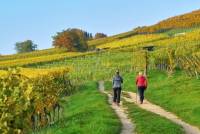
73	39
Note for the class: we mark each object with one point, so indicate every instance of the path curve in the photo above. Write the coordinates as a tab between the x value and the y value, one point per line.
127	125
189	129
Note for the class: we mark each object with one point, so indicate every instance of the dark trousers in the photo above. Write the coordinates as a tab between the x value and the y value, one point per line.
117	94
141	93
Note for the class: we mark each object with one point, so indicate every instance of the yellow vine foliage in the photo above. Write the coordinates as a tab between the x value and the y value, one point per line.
133	41
39	59
2	73
34	73
187	20
24	93
36	53
188	38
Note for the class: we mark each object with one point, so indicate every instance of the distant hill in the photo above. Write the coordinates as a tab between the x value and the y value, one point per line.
188	20
178	24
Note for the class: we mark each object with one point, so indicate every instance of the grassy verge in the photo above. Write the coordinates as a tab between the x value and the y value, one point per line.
150	123
178	94
87	112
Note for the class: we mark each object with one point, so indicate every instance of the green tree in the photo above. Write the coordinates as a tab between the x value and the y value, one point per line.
100	35
25	46
72	39
88	36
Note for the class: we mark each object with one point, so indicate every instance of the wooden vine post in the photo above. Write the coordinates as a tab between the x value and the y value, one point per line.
147	49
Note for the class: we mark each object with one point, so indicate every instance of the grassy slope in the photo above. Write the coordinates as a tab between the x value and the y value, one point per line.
150	123
87	111
178	94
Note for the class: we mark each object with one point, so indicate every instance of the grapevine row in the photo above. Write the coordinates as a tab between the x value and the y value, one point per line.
31	103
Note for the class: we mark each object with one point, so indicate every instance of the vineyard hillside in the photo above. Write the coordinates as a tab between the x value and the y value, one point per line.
187	20
55	91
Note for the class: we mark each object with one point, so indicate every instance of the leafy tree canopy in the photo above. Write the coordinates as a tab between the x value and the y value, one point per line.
25	46
72	39
100	35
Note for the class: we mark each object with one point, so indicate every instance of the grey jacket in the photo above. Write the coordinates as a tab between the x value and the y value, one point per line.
117	81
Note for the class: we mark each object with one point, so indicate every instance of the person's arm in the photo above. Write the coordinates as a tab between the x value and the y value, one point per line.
113	81
122	80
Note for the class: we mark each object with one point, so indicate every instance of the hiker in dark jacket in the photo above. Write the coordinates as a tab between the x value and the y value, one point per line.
141	82
117	87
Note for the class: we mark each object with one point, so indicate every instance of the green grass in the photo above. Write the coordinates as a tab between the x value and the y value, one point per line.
87	112
178	94
150	123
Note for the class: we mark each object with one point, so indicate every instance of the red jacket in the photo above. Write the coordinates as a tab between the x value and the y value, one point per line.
141	81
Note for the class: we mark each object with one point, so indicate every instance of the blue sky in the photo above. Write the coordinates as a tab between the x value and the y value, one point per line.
39	20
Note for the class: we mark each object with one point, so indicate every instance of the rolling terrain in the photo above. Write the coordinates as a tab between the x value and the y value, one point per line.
63	85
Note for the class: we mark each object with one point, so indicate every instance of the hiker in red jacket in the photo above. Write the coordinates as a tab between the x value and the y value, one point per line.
141	83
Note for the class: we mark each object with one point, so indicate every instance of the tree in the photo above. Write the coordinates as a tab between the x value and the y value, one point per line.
100	35
88	36
72	39
25	46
